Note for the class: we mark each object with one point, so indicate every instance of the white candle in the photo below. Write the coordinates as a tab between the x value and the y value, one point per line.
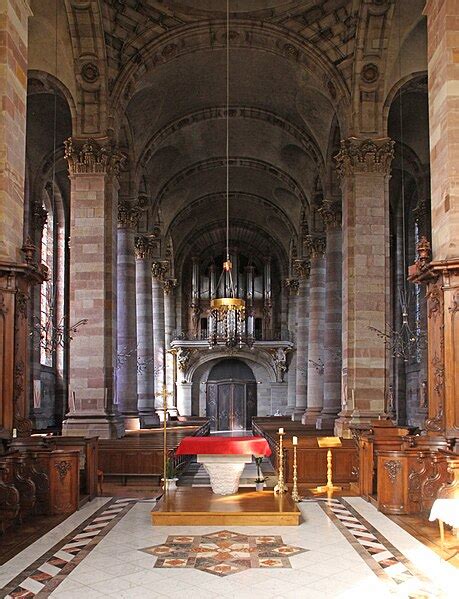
295	440
352	395
281	431
15	433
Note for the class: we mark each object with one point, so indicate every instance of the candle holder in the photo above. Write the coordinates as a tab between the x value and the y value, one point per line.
295	495
281	486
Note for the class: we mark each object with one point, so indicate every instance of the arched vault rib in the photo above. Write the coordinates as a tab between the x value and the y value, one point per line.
305	138
234	197
190	244
239	162
244	34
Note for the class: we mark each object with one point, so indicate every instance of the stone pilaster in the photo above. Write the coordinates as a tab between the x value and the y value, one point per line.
158	272
93	169
331	214
292	286
315	392
126	374
302	323
364	167
169	286
145	373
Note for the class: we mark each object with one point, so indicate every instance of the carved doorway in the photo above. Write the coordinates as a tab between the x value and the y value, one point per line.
231	399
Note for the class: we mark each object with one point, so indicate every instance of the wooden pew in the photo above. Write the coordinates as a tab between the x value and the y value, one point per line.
140	453
9	497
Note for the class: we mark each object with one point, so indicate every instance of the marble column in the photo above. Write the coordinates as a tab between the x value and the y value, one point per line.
291	286
93	168
169	328
145	374
126	370
331	215
364	168
158	272
301	268
315	393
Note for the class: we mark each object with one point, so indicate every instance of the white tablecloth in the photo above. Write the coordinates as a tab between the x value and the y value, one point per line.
446	510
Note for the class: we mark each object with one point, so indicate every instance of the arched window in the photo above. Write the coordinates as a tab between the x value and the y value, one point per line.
47	316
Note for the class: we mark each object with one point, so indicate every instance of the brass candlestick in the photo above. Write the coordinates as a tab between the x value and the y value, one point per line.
281	486
295	495
164	394
329	442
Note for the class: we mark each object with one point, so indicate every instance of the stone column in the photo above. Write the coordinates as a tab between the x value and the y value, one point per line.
158	271
126	370
169	327
364	168
145	374
292	286
315	394
331	215
443	289
301	268
13	97
93	168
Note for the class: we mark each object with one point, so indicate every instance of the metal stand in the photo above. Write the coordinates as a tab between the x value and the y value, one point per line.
281	486
295	495
164	394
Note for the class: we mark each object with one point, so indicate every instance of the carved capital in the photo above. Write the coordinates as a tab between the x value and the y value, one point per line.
128	215
92	157
291	285
331	214
315	246
143	246
169	285
302	268
159	270
364	156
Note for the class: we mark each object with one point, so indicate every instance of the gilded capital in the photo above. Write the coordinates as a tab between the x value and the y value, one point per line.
331	214
292	286
128	215
169	285
89	156
315	246
159	270
364	156
302	268
143	247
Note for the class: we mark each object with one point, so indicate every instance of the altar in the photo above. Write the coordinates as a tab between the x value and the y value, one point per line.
224	458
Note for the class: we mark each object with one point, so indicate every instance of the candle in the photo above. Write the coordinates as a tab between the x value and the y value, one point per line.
352	395
295	440
15	433
281	431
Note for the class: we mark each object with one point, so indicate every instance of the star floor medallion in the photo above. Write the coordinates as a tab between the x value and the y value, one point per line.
223	553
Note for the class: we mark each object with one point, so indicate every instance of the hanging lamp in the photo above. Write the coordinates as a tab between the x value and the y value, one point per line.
227	313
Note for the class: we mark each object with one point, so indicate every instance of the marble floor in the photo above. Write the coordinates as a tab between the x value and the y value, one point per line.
344	548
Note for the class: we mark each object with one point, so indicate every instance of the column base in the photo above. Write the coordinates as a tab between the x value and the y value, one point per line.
311	415
361	419
104	426
131	423
297	414
326	421
149	420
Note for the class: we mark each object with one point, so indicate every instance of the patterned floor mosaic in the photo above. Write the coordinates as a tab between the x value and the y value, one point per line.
384	559
223	553
44	575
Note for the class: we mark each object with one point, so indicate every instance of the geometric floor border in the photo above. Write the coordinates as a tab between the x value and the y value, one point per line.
42	577
386	561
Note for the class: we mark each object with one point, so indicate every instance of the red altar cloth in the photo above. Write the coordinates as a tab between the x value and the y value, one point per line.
256	446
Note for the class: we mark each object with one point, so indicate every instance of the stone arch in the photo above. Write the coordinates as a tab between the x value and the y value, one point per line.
41	82
244	34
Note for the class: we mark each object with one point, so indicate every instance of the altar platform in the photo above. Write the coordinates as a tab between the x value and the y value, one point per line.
200	507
